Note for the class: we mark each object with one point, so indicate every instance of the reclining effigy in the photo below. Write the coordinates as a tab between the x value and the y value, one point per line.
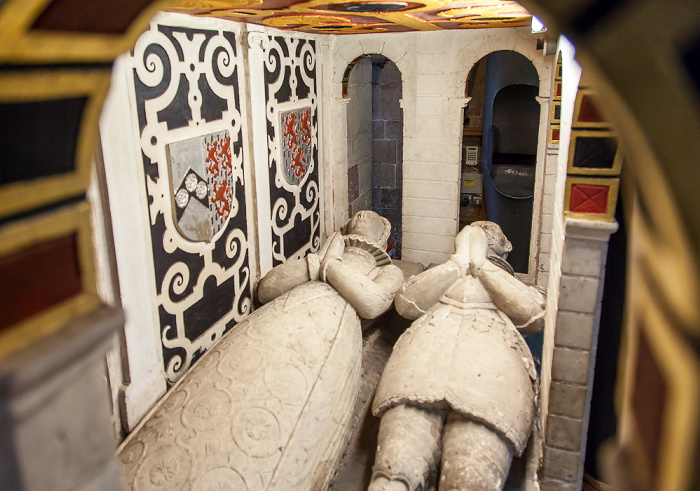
457	397
269	406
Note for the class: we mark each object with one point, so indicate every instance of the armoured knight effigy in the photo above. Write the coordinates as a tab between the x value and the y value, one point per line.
269	406
459	388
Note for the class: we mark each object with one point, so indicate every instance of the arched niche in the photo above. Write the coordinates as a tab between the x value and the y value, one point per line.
502	122
372	89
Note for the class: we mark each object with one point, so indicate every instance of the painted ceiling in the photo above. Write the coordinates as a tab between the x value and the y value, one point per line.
356	17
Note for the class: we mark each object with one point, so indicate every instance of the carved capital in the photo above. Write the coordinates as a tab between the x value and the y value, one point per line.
258	40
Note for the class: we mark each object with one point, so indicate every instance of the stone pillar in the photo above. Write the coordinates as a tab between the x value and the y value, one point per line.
55	428
543	199
575	341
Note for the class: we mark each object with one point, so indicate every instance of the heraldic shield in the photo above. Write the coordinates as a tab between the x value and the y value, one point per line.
202	184
296	144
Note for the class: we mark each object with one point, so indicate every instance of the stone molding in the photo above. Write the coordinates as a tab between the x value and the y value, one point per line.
578	228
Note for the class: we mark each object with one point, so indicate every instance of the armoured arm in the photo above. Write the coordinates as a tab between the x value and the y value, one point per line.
423	291
370	298
525	305
287	275
282	278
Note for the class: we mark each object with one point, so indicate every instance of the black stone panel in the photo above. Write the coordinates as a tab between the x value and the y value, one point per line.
595	152
39	138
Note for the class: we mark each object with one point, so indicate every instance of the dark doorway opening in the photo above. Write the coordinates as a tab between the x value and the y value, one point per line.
375	142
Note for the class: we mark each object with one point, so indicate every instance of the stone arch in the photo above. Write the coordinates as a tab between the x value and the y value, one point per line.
356	49
523	48
518	42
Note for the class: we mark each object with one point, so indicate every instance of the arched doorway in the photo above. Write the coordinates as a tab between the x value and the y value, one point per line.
500	143
375	135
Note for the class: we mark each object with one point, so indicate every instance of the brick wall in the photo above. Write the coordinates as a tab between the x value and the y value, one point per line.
359	146
387	148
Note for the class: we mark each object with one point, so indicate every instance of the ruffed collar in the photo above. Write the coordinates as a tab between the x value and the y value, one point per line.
501	263
368	245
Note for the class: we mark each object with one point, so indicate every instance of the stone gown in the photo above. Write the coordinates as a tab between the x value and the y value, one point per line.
264	408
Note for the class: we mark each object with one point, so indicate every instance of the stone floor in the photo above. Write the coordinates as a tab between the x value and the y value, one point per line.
379	336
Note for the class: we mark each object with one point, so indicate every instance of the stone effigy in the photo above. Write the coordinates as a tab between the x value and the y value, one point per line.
269	406
459	387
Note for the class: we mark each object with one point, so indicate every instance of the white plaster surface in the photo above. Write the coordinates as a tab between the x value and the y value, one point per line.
553	223
429	189
431	225
565	463
551	484
421	207
132	243
439	242
576	274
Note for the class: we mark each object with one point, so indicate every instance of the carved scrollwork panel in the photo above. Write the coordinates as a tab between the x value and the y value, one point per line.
292	136
187	103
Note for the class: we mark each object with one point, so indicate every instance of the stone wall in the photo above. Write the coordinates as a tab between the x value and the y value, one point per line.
434	69
573	357
211	163
387	149
359	109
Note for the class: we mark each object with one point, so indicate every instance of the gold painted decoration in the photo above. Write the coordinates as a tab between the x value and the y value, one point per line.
657	435
46	31
664	256
481	12
22	88
554	134
555	116
363	16
71	221
304	20
212	4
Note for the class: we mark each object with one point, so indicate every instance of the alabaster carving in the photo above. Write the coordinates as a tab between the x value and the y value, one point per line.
269	406
459	387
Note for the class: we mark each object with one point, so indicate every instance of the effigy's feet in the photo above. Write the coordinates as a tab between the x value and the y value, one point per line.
381	483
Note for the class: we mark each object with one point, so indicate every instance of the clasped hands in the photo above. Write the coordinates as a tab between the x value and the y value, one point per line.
472	248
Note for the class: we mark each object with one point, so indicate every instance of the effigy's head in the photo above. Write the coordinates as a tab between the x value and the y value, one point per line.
368	224
498	242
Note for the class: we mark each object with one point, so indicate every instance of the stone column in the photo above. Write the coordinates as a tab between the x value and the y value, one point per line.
575	341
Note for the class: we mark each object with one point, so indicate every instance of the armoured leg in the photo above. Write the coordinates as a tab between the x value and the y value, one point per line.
408	448
473	456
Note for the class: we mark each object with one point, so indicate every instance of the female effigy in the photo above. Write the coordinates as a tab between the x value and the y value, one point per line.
268	407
